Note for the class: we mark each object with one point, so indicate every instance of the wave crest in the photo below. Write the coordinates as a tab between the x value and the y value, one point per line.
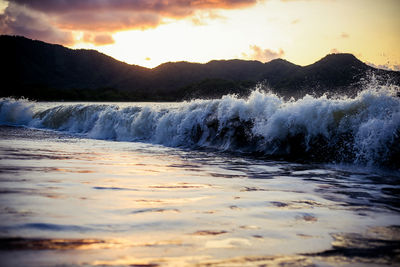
363	130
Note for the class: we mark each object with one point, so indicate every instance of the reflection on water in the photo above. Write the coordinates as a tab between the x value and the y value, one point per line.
133	204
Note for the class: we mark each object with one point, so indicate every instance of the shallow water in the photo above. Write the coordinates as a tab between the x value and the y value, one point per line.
66	200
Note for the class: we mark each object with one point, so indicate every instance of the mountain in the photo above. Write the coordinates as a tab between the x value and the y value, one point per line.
43	71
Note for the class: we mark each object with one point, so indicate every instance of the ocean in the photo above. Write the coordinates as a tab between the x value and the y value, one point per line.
261	181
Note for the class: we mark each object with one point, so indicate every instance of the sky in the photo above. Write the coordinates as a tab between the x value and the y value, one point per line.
151	32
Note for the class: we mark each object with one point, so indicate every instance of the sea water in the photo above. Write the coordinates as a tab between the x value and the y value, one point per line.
260	181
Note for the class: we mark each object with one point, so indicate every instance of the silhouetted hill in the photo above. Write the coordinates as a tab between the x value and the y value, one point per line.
32	67
43	71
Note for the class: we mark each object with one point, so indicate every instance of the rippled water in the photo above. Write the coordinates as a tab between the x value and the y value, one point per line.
71	201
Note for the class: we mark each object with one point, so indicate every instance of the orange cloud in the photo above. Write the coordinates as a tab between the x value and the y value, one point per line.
54	20
100	39
263	55
103	39
334	51
109	22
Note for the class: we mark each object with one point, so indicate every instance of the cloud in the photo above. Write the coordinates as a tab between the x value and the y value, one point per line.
18	20
99	39
263	55
201	18
56	20
103	39
159	6
344	35
103	21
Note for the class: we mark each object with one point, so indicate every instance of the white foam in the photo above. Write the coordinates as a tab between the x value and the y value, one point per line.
372	118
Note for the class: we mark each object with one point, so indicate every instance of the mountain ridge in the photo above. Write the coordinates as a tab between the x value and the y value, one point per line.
43	71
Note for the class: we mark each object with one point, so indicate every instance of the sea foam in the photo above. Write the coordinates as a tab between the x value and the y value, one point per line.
364	129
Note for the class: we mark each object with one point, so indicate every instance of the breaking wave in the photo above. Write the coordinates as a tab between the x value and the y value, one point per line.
363	130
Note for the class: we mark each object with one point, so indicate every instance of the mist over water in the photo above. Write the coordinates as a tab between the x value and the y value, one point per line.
363	130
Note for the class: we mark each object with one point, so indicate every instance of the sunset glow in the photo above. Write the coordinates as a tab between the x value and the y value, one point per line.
149	33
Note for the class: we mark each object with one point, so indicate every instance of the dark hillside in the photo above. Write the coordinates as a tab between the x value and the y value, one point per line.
43	71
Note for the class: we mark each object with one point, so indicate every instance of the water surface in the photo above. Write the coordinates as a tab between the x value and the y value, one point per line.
83	202
229	182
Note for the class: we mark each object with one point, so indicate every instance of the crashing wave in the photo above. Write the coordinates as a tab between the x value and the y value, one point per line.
362	130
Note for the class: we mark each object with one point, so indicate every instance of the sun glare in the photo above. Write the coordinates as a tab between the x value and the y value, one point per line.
292	30
178	41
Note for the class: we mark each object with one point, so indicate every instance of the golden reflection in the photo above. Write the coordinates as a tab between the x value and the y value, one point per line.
53	196
159	243
72	170
228	243
167	201
127	164
153	262
150	170
180	186
249	227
